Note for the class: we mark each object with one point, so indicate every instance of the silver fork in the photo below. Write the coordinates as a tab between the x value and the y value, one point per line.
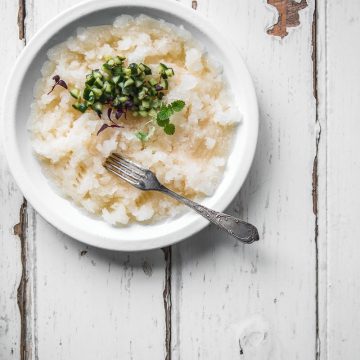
144	179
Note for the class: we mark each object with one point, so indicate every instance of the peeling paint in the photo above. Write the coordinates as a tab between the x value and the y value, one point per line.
20	231
254	338
167	302
315	183
21	19
316	241
288	16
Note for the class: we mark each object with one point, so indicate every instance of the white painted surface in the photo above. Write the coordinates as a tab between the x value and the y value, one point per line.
107	305
343	178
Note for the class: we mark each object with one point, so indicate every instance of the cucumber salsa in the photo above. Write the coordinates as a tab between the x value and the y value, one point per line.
121	89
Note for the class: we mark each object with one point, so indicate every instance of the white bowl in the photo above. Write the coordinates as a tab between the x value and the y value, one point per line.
26	169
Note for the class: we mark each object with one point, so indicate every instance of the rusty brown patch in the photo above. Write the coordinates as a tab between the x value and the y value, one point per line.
194	5
20	230
315	183
288	15
21	19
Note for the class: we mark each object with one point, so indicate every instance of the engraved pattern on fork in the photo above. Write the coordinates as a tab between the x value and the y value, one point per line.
145	179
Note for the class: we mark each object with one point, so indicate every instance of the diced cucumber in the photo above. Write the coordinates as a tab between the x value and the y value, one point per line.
129	82
75	93
98	107
152	82
116	79
145	104
80	106
169	72
99	83
97	92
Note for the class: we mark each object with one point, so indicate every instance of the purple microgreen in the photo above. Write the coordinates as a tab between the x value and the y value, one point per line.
128	104
105	126
62	83
52	89
109	113
57	81
118	114
117	126
158	87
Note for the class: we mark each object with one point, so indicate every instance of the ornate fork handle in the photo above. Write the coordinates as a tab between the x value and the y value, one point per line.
241	230
145	179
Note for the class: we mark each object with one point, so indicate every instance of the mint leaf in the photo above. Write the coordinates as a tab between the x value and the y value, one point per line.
177	105
169	129
164	113
162	123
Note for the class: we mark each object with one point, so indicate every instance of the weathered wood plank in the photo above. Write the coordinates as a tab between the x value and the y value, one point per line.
96	304
320	180
11	200
341	99
90	303
259	302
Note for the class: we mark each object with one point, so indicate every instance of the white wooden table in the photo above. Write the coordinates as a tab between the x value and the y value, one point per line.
293	295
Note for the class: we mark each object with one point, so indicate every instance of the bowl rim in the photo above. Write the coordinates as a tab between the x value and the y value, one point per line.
8	137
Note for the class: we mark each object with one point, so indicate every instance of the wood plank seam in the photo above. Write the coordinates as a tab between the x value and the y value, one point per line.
315	175
21	19
322	106
20	230
167	302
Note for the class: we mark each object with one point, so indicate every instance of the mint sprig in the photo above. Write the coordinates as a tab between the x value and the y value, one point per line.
165	113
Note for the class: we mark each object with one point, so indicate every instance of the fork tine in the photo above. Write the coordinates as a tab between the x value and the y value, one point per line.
128	162
120	173
128	171
124	164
